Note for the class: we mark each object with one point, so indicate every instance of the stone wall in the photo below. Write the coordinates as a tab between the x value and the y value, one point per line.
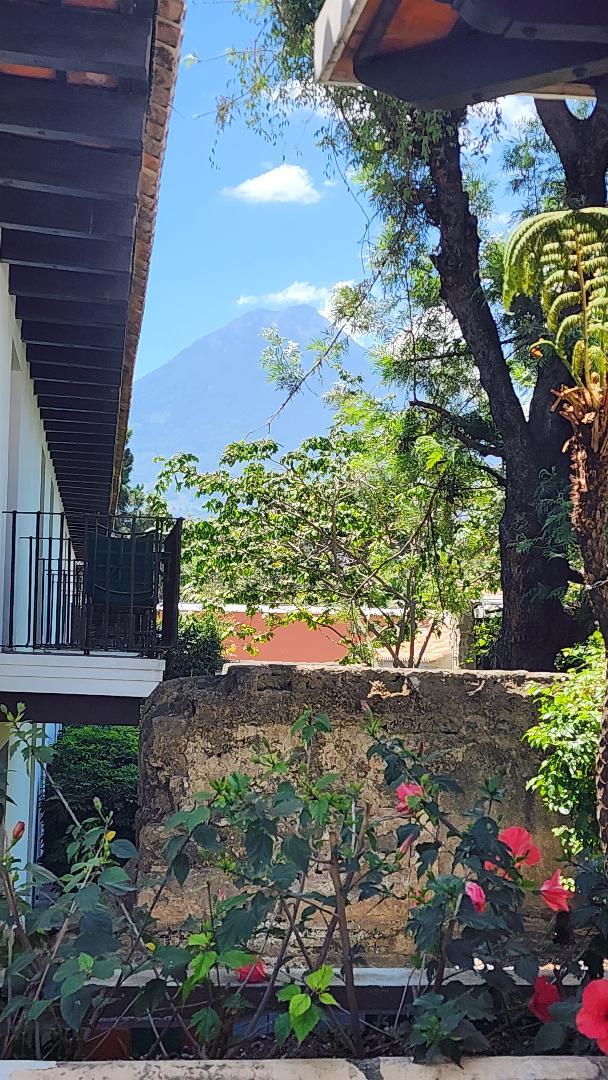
194	730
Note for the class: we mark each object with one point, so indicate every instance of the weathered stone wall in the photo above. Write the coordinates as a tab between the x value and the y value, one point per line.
195	730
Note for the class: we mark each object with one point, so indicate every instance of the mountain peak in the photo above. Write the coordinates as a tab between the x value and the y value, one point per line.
215	392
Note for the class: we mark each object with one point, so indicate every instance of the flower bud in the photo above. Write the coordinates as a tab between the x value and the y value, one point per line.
18	831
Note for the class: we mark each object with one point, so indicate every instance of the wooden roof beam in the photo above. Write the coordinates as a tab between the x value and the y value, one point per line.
75	39
74	313
109	338
75	359
76	376
66	215
67	169
54	414
65	252
82	114
68	284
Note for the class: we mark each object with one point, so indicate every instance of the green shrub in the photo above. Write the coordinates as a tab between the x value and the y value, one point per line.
281	845
567	734
89	763
198	650
484	638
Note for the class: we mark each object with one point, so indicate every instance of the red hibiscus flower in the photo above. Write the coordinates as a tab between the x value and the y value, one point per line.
253	973
476	895
521	845
522	848
545	994
554	894
592	1017
404	793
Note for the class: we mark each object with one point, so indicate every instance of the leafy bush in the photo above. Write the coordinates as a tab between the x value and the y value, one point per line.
568	732
89	763
295	848
198	650
484	639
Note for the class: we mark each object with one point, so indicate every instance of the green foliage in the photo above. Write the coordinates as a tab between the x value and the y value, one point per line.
567	734
89	763
378	525
290	843
562	257
484	635
198	649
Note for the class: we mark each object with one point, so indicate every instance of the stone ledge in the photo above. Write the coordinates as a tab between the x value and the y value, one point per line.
498	1068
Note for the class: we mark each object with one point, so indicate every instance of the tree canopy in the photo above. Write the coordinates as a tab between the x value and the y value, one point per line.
422	176
377	526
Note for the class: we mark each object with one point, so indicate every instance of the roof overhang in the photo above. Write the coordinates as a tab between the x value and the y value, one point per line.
452	53
85	95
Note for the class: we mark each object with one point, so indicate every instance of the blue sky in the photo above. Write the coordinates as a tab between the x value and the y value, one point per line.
211	247
240	218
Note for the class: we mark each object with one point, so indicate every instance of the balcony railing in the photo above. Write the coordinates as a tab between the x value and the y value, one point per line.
99	582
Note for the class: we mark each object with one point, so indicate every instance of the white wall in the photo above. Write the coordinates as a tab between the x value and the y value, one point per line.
25	484
27	479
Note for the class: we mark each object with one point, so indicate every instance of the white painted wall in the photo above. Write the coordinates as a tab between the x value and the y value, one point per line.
27	482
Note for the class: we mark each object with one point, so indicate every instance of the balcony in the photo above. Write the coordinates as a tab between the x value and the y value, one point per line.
106	584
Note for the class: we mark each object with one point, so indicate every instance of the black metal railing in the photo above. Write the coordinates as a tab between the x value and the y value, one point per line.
93	582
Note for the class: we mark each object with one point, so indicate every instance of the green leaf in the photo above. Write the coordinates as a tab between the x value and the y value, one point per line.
20	963
297	851
74	1007
115	880
19	1001
549	1037
236	958
37	1008
427	854
206	837
123	849
526	967
171	959
174	846
40	875
301	722
327	999
88	898
180	867
258	845
72	985
282	1028
207	1024
287	992
284	874
321	978
299	1004
305	1023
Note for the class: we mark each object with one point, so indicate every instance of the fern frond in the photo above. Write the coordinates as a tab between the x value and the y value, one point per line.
571	324
562	304
563	258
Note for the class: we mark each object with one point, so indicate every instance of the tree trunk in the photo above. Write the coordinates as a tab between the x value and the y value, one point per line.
582	145
535	625
589	487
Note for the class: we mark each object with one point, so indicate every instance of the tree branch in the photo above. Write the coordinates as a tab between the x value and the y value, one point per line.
483	448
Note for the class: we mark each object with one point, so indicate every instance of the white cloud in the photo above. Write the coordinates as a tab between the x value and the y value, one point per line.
516	108
299	292
285	184
304	96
